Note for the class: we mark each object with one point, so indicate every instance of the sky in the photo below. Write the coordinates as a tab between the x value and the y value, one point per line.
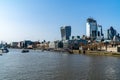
41	19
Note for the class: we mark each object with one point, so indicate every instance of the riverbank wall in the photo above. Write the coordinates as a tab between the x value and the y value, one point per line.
97	53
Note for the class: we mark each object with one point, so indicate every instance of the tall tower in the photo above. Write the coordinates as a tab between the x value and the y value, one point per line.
91	28
99	32
65	32
111	33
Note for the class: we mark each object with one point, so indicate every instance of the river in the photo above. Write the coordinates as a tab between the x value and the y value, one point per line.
37	65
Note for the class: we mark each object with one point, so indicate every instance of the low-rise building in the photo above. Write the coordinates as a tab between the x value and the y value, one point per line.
56	44
27	43
20	44
74	43
14	44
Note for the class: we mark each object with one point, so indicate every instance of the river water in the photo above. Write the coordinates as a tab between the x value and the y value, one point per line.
37	65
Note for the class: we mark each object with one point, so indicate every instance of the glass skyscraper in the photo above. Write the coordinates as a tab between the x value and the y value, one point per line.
91	28
65	32
111	33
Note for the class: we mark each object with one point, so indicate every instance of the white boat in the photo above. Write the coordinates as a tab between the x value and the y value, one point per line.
4	50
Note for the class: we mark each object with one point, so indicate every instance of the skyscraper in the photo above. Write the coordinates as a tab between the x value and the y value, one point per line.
99	32
91	28
111	33
65	32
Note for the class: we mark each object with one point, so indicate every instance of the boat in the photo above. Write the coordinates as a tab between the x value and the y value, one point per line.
4	50
25	51
0	54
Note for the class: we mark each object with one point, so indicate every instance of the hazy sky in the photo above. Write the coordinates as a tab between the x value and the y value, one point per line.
42	19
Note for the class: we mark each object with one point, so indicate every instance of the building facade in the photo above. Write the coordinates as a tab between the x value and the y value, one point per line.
27	43
99	32
65	32
91	28
14	45
111	33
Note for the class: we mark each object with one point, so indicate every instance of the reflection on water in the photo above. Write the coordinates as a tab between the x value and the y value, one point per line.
38	65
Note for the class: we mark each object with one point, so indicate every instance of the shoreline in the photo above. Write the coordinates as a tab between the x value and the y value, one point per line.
98	53
87	52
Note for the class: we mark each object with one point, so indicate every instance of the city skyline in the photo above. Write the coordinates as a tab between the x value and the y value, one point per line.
42	19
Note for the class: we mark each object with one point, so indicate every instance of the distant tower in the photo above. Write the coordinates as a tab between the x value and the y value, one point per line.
91	28
65	32
111	33
99	32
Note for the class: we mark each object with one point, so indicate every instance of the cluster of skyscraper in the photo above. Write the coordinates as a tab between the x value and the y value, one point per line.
93	31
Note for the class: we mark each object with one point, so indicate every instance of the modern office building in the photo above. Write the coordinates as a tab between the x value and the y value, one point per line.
111	33
99	32
91	28
65	32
